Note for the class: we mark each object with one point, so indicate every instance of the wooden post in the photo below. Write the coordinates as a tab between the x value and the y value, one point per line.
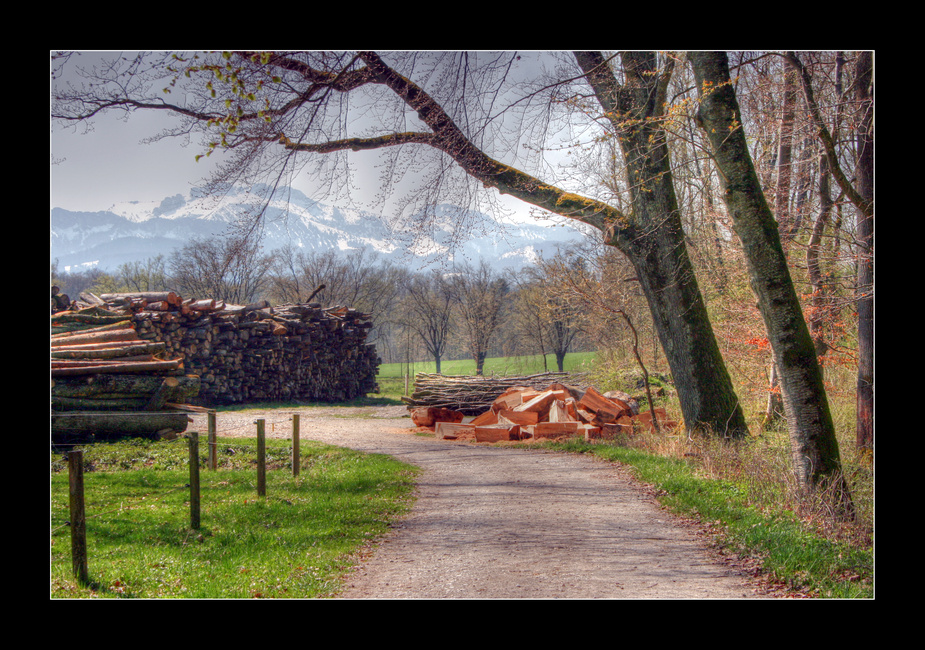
77	516
296	458
212	441
194	479
261	459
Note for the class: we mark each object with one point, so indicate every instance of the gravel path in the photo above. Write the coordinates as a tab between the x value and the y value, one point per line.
494	522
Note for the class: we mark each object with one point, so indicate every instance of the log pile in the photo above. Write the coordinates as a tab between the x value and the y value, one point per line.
106	380
249	353
474	395
524	413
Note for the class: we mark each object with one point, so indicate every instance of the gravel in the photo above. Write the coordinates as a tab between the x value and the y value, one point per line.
493	522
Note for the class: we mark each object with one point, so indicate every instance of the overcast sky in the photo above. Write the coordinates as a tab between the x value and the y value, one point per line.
91	171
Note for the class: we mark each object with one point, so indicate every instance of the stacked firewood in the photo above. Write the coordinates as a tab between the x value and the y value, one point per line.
523	413
248	353
106	380
473	395
110	348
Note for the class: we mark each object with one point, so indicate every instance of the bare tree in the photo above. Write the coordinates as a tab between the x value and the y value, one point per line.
785	221
529	314
865	180
427	310
270	113
591	284
860	194
480	297
544	316
146	275
359	279
222	268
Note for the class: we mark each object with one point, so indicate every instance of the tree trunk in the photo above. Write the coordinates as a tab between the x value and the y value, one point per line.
785	222
820	300
865	181
657	249
107	424
774	405
101	386
652	238
560	360
814	447
479	362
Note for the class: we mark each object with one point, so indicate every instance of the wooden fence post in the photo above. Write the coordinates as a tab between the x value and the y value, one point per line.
77	516
212	441
261	460
296	458
194	479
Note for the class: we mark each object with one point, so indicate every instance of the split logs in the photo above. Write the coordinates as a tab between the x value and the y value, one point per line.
521	413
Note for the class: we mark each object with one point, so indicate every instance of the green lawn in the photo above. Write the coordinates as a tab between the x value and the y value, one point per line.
525	365
298	541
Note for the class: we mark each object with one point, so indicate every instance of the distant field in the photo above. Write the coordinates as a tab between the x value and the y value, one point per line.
528	365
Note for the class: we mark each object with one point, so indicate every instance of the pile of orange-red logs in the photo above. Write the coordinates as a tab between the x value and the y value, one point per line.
523	413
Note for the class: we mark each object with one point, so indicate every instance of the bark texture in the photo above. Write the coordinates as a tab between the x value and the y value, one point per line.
655	243
815	450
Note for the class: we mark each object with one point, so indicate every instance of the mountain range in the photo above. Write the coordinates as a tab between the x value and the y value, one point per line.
136	231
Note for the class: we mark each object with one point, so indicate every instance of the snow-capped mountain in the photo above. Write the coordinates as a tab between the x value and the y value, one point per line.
138	231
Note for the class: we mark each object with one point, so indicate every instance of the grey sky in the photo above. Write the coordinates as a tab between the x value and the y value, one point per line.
94	170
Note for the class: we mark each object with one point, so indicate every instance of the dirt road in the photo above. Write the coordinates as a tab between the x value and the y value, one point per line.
495	522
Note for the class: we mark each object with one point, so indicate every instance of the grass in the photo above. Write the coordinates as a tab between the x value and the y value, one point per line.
296	542
522	365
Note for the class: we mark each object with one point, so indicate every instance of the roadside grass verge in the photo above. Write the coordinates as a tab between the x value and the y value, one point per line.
296	542
752	519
